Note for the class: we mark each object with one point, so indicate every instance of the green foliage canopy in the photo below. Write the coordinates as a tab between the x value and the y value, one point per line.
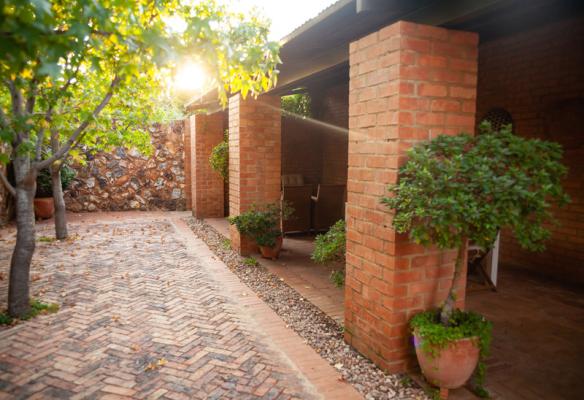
463	187
298	104
94	71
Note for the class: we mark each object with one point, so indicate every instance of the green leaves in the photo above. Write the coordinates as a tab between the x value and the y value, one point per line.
262	224
219	158
65	54
457	187
331	245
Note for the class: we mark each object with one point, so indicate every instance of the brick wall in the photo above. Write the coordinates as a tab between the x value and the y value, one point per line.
317	151
254	157
538	77
408	83
301	149
333	108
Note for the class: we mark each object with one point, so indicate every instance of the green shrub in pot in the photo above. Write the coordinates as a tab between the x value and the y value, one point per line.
262	223
44	183
456	189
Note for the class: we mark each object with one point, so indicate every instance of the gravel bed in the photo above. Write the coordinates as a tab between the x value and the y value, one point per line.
320	331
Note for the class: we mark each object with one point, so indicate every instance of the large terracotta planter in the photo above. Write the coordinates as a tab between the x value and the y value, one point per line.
44	207
453	365
272	252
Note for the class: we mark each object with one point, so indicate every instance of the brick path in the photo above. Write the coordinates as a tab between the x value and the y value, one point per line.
146	314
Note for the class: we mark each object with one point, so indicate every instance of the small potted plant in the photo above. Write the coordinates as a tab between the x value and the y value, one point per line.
263	225
44	204
456	189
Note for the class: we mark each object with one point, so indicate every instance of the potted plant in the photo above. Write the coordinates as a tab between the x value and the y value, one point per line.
44	205
456	189
263	225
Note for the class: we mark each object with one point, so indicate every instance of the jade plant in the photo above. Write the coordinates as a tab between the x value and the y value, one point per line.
456	189
262	223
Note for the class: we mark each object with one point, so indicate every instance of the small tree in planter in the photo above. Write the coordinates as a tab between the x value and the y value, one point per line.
263	225
456	189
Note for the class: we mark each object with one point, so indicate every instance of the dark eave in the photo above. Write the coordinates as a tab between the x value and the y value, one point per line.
322	43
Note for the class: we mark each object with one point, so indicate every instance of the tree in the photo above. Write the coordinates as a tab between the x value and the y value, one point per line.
459	188
64	64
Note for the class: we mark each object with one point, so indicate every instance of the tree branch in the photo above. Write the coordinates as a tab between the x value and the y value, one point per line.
81	128
3	119
7	184
17	104
30	101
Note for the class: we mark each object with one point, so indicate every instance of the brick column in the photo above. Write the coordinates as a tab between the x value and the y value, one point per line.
408	83
187	162
254	157
206	132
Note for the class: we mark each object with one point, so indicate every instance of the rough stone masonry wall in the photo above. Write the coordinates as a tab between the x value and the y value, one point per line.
126	180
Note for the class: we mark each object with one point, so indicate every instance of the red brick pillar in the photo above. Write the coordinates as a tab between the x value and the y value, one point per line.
206	184
187	162
408	83
254	157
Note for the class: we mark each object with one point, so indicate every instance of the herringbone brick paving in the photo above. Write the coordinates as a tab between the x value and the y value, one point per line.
140	318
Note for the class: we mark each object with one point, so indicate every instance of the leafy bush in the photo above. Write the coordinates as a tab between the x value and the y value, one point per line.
219	158
462	187
338	278
297	104
44	183
262	224
331	245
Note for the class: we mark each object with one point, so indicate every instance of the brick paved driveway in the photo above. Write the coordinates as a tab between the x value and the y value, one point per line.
141	317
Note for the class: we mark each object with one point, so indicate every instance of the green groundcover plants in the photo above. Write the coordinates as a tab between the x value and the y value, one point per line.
37	307
456	189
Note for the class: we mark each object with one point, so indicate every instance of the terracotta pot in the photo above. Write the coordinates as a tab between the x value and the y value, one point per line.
453	365
44	207
272	252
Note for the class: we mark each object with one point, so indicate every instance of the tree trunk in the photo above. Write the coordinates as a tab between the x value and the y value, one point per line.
60	216
18	287
450	303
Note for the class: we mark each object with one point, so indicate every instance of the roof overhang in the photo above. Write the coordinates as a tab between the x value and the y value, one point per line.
322	43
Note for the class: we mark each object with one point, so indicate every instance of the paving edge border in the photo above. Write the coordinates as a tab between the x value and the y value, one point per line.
376	384
324	378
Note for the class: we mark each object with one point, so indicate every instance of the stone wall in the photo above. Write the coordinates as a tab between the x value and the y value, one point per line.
126	180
